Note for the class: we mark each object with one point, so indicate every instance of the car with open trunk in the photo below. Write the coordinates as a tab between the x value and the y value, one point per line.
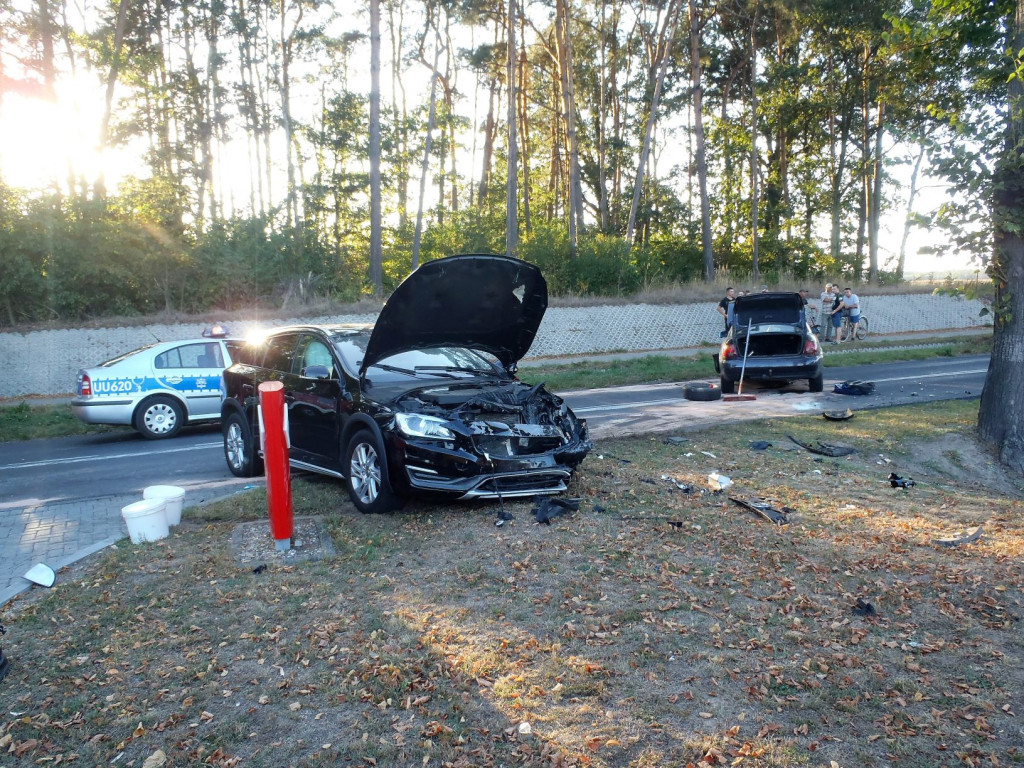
771	341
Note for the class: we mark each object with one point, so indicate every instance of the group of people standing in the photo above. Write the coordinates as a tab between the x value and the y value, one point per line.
835	304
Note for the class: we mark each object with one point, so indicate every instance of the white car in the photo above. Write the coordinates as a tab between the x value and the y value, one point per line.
159	388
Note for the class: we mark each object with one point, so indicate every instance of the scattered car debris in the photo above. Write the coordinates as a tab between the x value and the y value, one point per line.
760	445
825	449
503	517
718	482
854	388
764	509
684	487
551	507
864	608
898	482
41	574
676	440
838	415
960	537
260	568
709	453
675	523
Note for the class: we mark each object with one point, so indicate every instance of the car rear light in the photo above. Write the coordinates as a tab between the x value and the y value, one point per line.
810	347
84	385
728	350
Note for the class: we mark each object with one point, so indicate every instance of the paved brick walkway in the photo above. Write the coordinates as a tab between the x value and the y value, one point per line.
64	533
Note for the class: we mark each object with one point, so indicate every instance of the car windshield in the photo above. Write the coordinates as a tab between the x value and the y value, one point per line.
436	362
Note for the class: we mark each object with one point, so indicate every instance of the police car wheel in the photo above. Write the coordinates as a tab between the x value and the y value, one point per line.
159	417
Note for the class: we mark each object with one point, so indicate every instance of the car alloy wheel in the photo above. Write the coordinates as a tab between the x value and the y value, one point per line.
367	485
239	448
159	417
365	473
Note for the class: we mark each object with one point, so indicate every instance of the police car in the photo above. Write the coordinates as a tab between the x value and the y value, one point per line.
159	388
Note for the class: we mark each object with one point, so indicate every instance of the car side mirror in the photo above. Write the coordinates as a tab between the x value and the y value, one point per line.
316	372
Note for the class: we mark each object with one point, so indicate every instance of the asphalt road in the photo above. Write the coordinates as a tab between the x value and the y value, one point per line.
80	468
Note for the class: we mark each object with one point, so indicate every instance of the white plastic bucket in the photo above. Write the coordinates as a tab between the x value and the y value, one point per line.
146	520
172	495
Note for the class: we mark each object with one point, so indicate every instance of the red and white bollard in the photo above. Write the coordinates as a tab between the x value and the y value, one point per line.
275	443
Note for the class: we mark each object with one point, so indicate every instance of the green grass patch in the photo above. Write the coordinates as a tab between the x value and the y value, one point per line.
31	422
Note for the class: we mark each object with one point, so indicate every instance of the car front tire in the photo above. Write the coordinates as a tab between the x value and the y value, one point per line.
159	417
364	475
240	447
817	384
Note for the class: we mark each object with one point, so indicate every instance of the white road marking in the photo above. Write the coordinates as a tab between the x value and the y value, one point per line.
81	459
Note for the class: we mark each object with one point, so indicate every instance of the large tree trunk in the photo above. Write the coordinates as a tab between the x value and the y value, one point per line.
698	130
1001	417
376	223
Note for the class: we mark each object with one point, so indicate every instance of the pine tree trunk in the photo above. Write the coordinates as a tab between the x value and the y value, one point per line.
671	18
698	128
511	185
754	184
376	222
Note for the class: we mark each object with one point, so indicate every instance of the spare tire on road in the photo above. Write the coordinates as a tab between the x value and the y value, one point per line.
696	390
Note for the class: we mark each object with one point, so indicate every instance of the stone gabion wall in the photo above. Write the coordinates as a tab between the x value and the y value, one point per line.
47	362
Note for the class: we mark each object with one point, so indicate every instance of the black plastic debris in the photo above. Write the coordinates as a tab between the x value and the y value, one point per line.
898	482
825	449
260	568
863	608
675	523
760	445
676	440
598	508
549	508
854	388
838	415
764	509
5	663
503	517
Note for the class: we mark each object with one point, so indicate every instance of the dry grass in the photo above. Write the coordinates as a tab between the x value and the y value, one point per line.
653	627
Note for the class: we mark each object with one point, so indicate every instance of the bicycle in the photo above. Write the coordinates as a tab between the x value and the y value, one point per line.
862	328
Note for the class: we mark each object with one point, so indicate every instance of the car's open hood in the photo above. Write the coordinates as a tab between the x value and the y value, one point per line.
768	308
491	303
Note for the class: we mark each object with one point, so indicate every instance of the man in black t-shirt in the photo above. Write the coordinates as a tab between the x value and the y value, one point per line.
725	308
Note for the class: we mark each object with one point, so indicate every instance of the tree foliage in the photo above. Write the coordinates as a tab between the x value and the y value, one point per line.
252	123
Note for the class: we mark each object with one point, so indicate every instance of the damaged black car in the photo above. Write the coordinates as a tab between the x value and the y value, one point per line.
424	402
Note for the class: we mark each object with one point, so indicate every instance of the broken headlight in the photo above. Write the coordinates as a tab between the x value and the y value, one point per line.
416	425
